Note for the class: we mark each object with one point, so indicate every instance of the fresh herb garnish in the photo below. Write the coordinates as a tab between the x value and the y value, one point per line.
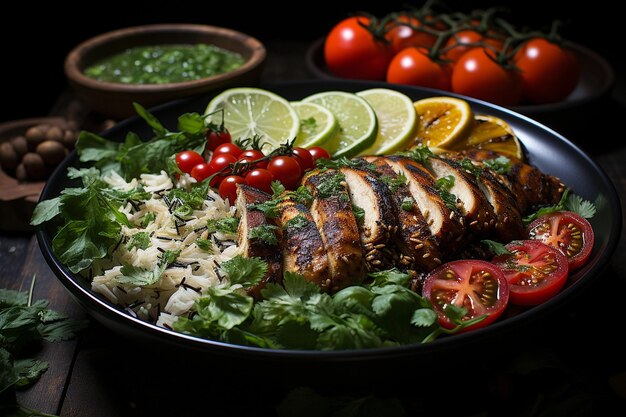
139	240
205	244
331	185
359	213
266	233
183	201
394	182
297	222
269	208
408	203
277	188
420	154
301	195
344	162
469	166
147	219
226	225
140	277
501	164
568	202
496	248
244	271
443	186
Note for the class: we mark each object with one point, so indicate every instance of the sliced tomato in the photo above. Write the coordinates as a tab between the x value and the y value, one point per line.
478	286
535	271
568	232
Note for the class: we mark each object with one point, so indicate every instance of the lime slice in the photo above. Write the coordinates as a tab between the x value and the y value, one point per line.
252	111
397	120
317	124
356	118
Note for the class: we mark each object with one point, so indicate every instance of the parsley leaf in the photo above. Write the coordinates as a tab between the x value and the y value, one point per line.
344	162
269	208
140	277
394	182
408	203
469	166
139	240
297	222
443	186
277	188
205	244
244	271
331	185
183	202
359	213
226	225
147	219
501	164
301	195
265	233
420	154
496	248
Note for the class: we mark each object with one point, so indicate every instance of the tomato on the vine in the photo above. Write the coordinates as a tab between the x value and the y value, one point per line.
228	148
478	75
413	66
549	72
201	172
186	160
304	158
318	153
351	51
478	286
404	35
462	41
216	138
261	179
286	170
220	163
568	232
228	187
535	271
252	155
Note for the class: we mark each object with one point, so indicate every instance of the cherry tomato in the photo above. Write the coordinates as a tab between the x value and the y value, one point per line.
568	232
477	74
304	159
478	286
318	153
261	179
228	187
186	160
252	155
459	43
351	51
403	36
219	162
216	138
228	148
413	66
202	171
286	170
536	272
549	72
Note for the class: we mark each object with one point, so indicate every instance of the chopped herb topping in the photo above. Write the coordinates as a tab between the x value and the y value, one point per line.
147	219
420	154
408	203
331	185
359	213
265	233
468	166
139	240
140	277
443	186
302	195
297	222
204	244
394	183
269	207
501	164
227	225
343	162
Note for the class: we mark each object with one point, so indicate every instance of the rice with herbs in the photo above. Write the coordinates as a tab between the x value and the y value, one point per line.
199	251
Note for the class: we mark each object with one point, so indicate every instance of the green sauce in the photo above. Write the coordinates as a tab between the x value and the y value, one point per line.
162	64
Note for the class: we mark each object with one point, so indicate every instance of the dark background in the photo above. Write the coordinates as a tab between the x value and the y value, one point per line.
35	39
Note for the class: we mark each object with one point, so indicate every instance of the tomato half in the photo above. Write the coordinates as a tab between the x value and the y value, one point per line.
568	232
413	66
549	72
351	51
404	35
478	75
186	160
478	286
536	272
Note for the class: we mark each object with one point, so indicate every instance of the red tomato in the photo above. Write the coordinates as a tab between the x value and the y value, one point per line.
351	51
477	75
218	163
228	187
458	43
318	153
403	36
228	148
549	72
216	138
186	160
260	179
201	172
478	286
286	170
568	232
252	155
413	66
536	272
304	158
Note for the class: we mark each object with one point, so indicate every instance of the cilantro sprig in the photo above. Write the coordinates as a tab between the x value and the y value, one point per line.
568	202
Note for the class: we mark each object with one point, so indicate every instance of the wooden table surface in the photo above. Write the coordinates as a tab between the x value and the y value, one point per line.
104	374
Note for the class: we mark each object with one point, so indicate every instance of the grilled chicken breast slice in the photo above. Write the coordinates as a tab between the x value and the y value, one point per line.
479	215
445	223
303	250
379	224
419	249
250	218
332	213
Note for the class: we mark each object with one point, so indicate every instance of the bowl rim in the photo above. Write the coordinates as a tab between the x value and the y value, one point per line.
76	75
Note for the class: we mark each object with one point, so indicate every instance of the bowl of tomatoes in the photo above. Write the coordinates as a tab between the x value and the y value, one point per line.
478	55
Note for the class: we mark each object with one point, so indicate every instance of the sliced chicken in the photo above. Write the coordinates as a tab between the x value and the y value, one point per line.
250	218
478	213
378	226
418	248
303	250
332	213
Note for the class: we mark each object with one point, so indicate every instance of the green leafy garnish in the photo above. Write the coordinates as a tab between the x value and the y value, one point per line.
359	213
147	219
408	203
244	271
277	188
226	225
204	244
301	195
269	208
344	162
331	185
420	154
139	240
568	202
469	166
183	201
501	164
140	277
496	248
394	182
266	233
443	186
297	222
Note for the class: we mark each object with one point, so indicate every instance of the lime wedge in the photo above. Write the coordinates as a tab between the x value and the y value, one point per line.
397	120
252	111
317	124
356	118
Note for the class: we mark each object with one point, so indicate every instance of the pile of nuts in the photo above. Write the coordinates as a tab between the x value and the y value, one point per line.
33	156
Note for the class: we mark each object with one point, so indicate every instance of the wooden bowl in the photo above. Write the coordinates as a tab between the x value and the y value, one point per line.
18	200
115	99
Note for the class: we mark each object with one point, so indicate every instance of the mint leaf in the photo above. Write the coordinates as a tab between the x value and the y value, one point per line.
244	271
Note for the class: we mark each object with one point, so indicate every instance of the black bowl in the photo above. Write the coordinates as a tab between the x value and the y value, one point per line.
546	149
